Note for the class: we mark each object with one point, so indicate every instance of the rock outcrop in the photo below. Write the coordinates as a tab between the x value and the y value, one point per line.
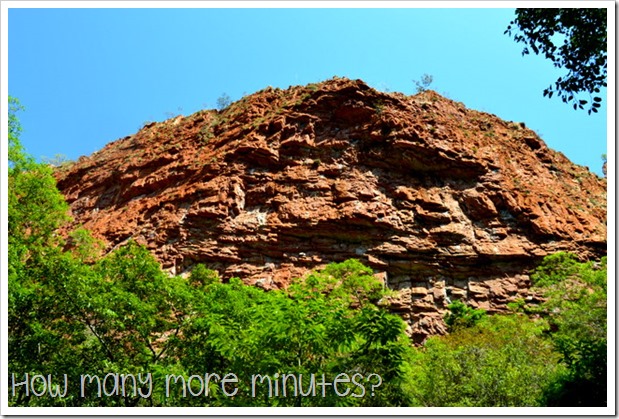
441	201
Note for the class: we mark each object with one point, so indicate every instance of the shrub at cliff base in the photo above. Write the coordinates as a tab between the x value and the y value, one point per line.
558	359
310	328
500	361
124	315
576	309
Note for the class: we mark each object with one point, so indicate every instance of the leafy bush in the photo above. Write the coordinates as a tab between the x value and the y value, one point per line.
461	315
576	309
223	102
500	361
202	276
554	269
559	360
123	314
308	329
59	160
424	83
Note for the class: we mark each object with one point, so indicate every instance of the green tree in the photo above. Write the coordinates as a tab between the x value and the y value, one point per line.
36	208
59	160
574	39
84	246
120	315
16	151
202	276
461	315
70	312
576	308
223	102
42	337
500	361
310	328
123	314
424	83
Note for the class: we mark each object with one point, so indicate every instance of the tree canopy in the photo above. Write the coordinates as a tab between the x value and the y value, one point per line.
574	39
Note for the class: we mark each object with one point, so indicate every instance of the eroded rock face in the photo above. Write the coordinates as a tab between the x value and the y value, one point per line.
441	201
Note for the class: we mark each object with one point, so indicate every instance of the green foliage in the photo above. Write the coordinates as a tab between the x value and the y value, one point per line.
500	361
424	83
349	281
59	160
461	315
43	338
16	151
36	208
223	102
556	360
123	314
554	269
379	106
202	276
38	331
136	308
576	308
518	306
84	246
582	34
68	314
308	329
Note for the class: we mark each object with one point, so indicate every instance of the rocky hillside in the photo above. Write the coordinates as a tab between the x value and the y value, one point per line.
443	202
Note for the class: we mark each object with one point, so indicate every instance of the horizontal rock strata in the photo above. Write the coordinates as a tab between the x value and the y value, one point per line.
443	202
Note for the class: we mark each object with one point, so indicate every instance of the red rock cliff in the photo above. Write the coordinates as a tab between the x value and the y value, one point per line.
441	201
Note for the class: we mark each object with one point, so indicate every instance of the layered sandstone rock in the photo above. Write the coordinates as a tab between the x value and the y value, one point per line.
441	201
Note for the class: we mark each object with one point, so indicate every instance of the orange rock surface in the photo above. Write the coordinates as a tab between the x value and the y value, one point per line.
443	202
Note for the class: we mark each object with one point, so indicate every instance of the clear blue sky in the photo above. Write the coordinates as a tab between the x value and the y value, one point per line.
90	76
